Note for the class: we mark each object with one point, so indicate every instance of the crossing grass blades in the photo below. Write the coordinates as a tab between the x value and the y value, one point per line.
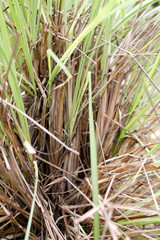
79	119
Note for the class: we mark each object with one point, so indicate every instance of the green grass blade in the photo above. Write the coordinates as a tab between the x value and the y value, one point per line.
33	202
93	157
6	52
142	221
22	28
59	62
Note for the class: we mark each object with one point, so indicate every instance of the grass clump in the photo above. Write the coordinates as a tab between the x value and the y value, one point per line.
79	119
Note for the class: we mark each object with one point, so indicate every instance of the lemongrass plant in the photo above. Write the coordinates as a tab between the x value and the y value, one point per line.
97	167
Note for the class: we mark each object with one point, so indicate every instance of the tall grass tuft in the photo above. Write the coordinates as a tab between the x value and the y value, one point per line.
79	162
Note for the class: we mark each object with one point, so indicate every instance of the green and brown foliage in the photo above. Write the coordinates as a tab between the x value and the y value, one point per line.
79	119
